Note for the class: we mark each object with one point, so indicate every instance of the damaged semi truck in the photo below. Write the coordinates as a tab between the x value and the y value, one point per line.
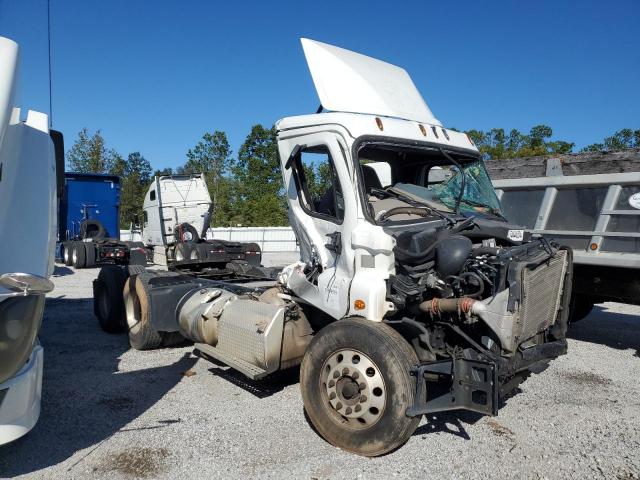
412	294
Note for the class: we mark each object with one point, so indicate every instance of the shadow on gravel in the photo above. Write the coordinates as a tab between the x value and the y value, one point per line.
61	271
449	422
85	400
613	329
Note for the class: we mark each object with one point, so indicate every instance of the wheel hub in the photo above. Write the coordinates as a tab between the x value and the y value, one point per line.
354	387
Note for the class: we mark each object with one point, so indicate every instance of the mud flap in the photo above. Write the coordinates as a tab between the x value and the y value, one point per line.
473	386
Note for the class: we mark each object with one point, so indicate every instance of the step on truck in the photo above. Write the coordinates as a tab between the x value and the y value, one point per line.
412	294
30	156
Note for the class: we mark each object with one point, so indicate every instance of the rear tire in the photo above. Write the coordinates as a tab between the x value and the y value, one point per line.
78	256
343	358
138	315
108	303
67	252
90	254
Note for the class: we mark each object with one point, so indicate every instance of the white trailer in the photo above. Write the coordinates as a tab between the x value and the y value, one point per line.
27	237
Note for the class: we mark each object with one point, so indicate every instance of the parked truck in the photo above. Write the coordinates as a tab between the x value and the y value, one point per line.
176	215
29	155
412	294
590	202
88	223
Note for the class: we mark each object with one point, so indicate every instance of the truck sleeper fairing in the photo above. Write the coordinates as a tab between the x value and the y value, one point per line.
27	231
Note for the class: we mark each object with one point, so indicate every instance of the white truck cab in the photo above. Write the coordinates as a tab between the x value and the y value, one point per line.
379	118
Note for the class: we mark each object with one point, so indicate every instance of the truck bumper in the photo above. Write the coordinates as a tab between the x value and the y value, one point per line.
20	399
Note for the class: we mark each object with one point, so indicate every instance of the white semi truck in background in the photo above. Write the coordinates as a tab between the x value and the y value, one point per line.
29	152
412	294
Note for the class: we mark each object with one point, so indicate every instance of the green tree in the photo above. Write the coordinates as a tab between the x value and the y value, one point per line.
212	156
135	176
258	193
495	144
621	140
89	154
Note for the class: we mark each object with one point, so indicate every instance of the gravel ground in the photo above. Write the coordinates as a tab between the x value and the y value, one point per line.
112	412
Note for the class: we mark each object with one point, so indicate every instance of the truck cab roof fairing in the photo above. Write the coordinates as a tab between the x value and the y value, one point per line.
9	55
350	82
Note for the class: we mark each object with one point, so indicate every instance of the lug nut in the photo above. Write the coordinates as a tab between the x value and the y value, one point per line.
362	385
345	371
331	383
348	410
355	375
332	395
363	398
336	374
338	406
357	408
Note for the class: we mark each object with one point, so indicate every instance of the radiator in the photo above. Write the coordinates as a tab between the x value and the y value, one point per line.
541	294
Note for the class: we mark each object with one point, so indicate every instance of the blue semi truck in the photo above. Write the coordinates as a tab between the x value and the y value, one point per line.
88	223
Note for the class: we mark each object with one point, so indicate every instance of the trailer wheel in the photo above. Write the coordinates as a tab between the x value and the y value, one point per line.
581	306
79	256
356	386
108	303
90	254
137	311
67	251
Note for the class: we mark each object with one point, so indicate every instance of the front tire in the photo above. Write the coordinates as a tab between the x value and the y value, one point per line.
356	386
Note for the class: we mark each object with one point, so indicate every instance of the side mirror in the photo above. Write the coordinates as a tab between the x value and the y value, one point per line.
26	283
292	157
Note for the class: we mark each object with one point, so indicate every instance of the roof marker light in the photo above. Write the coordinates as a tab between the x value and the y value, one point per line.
422	129
379	123
435	132
445	134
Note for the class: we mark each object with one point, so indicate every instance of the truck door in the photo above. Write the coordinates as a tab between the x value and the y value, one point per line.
322	212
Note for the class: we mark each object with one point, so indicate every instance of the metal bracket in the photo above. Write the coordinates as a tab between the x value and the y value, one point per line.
474	387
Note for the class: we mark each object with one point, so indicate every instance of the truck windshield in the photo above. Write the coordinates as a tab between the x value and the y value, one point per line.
400	182
478	194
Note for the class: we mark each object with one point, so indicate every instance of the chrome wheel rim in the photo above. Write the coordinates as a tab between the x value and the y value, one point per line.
354	388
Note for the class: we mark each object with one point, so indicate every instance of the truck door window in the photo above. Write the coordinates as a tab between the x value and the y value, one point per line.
152	195
318	185
145	218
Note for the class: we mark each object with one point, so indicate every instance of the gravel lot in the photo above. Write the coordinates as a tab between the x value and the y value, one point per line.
112	412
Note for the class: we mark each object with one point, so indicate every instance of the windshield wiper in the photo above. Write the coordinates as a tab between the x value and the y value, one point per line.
489	208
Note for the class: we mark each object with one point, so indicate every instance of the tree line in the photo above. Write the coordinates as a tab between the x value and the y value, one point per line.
247	188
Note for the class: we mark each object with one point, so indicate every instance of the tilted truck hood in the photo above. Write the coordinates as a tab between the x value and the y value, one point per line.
350	82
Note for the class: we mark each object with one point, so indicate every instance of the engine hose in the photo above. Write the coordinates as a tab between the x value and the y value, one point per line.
436	306
480	283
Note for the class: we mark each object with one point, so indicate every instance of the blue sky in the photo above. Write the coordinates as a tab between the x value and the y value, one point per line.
155	75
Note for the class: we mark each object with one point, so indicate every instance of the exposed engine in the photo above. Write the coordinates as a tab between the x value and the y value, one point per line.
473	292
